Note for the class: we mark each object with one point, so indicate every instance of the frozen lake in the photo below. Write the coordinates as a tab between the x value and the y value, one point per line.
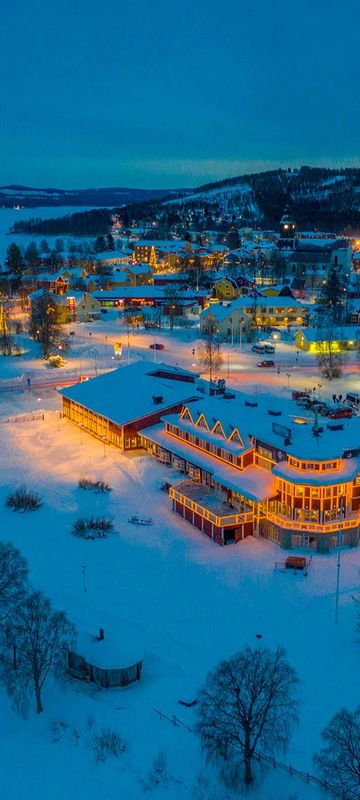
8	216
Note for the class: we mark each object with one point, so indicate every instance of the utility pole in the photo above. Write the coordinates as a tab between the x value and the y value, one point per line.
83	570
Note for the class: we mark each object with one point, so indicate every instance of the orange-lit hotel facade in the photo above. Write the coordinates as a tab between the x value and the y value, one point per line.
246	479
237	466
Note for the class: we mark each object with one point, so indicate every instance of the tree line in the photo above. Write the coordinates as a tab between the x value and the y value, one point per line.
81	223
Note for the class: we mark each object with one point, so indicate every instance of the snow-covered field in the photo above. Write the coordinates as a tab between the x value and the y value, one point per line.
188	602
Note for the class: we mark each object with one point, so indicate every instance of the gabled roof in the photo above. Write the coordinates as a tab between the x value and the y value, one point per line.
127	393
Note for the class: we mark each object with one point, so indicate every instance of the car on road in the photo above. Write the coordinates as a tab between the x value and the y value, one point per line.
157	346
266	363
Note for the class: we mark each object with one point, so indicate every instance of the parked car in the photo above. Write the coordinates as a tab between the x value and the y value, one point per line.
304	402
266	363
353	399
341	413
269	348
157	346
298	394
258	348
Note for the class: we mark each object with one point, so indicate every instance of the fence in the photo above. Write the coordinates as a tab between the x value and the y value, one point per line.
29	417
306	777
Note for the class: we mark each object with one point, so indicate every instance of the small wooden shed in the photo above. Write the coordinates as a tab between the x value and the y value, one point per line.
107	661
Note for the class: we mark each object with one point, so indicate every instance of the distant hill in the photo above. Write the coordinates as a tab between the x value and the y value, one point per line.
17	195
318	197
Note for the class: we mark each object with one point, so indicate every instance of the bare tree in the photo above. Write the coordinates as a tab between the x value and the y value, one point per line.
209	354
13	578
173	303
45	324
339	760
330	357
6	340
249	700
32	646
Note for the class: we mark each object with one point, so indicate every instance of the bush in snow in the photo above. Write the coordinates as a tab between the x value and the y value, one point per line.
107	743
56	361
158	775
23	500
92	527
58	728
99	487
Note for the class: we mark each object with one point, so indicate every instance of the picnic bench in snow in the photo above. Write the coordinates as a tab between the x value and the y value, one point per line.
295	563
135	520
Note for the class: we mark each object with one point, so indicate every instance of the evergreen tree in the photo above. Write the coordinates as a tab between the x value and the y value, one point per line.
44	247
110	242
31	255
59	245
232	239
14	259
333	295
100	244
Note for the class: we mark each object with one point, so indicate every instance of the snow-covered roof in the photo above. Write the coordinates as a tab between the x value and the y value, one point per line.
257	422
347	332
222	310
113	652
146	292
253	482
127	393
349	468
139	269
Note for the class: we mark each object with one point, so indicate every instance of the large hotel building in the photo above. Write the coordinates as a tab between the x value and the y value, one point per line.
237	467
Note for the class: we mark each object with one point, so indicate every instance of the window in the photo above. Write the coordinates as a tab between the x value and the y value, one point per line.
264	452
201	423
218	429
299	491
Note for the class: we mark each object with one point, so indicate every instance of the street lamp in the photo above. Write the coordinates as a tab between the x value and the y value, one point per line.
338	565
83	570
104	443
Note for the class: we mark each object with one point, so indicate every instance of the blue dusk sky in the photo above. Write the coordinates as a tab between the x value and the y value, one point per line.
170	93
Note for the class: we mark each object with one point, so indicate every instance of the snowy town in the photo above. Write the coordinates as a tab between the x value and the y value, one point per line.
175	414
180	401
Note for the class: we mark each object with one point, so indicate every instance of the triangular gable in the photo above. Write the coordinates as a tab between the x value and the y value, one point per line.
201	422
218	428
235	437
185	414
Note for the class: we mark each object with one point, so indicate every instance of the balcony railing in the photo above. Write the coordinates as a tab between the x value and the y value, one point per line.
333	526
204	510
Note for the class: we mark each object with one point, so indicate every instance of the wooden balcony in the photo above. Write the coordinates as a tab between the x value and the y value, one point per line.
209	504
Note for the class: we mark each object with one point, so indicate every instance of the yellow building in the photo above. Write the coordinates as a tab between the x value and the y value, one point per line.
338	339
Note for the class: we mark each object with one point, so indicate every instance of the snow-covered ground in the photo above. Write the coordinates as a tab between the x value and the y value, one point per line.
188	602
